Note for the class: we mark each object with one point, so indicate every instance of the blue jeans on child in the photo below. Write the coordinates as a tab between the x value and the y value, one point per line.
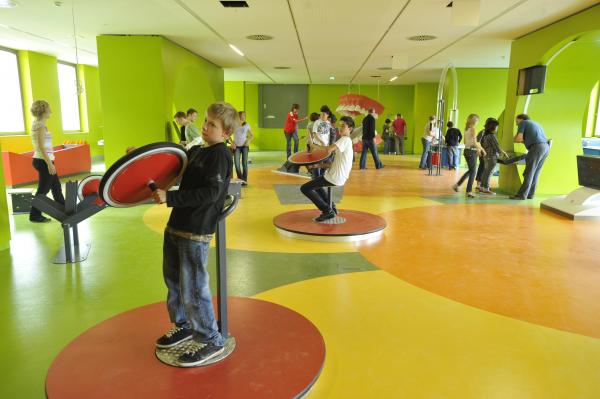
426	156
241	170
288	139
189	300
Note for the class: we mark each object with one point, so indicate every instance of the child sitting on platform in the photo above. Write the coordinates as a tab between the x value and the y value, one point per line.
196	207
337	172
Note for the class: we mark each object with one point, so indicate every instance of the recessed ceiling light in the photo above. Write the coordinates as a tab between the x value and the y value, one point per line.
332	78
237	50
421	38
234	4
8	4
393	78
282	67
259	37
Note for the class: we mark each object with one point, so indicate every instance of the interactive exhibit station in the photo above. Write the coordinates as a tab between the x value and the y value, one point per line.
117	358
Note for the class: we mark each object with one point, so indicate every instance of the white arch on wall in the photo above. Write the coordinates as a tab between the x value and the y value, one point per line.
440	96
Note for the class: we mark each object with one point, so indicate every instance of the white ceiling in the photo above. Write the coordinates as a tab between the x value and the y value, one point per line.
348	39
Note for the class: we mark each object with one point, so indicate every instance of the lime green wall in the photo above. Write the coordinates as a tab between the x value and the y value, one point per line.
235	94
394	98
133	92
93	108
562	107
425	105
481	91
4	218
143	79
190	81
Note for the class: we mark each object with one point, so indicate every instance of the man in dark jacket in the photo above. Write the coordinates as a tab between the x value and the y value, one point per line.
453	138
368	139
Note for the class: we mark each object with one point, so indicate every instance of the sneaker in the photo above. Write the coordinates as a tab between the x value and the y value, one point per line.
516	197
174	336
478	189
471	195
334	209
41	219
244	183
325	216
200	355
486	191
455	187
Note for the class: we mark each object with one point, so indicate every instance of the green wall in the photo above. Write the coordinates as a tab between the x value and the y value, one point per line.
143	80
424	106
394	98
562	107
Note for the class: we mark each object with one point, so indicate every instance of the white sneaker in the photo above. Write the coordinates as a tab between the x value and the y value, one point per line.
455	187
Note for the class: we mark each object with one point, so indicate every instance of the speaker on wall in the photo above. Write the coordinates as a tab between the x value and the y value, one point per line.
531	80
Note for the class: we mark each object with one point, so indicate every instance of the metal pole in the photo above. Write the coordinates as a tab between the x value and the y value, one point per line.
222	279
68	249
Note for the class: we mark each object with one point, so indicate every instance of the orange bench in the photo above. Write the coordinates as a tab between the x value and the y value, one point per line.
69	160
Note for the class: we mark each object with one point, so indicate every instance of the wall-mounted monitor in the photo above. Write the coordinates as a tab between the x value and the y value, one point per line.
531	80
588	171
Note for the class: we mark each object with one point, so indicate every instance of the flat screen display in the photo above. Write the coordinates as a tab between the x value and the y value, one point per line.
588	170
531	80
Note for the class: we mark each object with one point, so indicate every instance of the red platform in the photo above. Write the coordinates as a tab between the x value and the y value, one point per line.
355	225
279	354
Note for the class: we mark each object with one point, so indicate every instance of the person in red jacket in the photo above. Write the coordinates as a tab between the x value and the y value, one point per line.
399	126
291	129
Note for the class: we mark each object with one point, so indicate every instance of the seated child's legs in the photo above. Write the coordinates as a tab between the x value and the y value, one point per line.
314	191
195	292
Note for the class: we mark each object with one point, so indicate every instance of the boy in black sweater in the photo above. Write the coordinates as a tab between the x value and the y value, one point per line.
453	138
197	206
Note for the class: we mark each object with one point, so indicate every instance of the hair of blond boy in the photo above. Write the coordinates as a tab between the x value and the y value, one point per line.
39	108
228	115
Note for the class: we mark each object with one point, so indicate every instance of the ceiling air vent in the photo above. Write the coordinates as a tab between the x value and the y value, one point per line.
384	68
282	67
421	38
234	4
375	76
259	37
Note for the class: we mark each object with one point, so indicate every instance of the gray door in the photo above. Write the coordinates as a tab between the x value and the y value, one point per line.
276	101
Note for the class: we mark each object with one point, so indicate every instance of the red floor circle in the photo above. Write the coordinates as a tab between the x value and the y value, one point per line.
357	223
279	354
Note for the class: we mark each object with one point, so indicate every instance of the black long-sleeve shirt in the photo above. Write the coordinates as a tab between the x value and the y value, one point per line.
368	125
490	144
202	191
453	137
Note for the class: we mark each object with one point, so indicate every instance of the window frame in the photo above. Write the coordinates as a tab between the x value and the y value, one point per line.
80	130
22	101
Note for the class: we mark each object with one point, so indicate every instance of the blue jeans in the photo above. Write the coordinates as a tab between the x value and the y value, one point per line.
288	139
536	156
189	300
241	170
369	145
453	158
426	156
387	144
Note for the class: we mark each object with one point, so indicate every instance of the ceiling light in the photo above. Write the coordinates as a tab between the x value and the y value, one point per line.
421	38
259	37
8	4
393	78
332	78
234	4
237	50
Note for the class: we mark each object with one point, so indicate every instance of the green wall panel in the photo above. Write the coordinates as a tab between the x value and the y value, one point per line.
425	105
4	216
235	94
561	109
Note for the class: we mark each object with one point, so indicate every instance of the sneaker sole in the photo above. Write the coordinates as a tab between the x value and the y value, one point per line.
203	360
160	346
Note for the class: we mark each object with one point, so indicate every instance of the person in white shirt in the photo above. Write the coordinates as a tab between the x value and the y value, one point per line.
472	151
337	172
426	139
241	143
320	134
43	159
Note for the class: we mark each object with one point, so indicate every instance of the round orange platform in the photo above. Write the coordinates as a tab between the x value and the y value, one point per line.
279	354
347	226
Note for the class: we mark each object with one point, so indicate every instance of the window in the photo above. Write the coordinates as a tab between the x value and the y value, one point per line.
69	99
11	104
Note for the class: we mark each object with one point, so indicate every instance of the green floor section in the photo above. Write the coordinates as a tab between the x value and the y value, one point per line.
44	306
